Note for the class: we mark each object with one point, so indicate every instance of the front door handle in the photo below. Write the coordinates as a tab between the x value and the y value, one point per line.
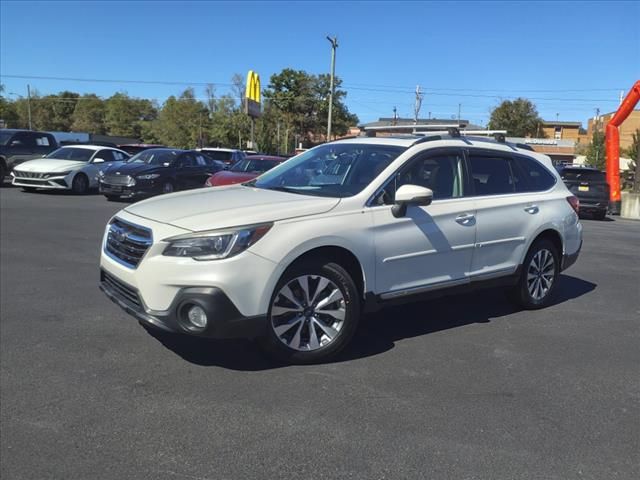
532	209
466	219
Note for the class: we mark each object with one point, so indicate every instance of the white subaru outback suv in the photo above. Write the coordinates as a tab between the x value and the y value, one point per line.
294	257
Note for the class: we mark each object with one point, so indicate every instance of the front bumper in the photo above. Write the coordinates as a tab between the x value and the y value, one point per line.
51	183
224	319
124	191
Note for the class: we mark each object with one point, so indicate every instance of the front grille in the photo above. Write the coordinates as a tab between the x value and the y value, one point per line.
127	242
20	174
121	290
117	179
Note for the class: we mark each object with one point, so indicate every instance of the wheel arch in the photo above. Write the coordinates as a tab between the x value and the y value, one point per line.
551	234
338	254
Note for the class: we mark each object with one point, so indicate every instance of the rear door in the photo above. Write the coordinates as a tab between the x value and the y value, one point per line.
186	174
508	211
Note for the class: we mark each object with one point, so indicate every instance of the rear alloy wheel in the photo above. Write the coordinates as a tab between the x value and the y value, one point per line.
539	276
167	187
80	184
313	314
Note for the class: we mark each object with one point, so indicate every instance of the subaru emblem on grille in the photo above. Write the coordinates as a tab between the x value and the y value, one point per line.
120	235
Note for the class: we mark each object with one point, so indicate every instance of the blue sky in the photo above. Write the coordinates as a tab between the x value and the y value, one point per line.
568	57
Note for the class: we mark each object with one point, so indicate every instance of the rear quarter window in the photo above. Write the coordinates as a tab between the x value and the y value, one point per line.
531	176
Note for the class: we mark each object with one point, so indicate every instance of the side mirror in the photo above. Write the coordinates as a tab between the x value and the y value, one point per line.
98	160
410	195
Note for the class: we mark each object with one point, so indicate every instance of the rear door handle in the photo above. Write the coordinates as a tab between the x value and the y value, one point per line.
532	209
466	219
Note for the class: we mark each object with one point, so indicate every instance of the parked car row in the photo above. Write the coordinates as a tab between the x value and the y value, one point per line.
152	169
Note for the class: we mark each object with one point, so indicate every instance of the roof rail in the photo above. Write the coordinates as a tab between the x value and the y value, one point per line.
483	132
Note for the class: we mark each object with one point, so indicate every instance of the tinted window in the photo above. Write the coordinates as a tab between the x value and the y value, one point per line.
201	161
531	176
24	139
219	155
106	155
119	156
580	175
491	175
155	157
42	141
187	160
72	153
255	166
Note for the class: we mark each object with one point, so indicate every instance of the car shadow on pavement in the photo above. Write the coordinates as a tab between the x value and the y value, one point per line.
377	333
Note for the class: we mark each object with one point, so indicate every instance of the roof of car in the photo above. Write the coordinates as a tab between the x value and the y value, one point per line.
209	149
90	147
265	157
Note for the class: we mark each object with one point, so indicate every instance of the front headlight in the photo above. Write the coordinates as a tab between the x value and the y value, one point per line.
149	176
216	244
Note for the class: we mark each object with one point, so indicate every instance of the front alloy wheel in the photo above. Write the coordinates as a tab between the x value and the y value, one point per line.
313	313
308	313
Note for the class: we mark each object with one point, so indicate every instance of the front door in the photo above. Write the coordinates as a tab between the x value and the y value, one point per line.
431	245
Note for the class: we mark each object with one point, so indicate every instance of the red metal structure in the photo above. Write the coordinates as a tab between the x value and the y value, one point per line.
612	136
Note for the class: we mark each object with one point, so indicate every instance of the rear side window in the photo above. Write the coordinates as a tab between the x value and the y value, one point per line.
491	174
531	176
579	175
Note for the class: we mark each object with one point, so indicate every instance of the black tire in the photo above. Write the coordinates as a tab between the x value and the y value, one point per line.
3	170
338	277
80	184
600	215
28	189
168	187
111	198
521	293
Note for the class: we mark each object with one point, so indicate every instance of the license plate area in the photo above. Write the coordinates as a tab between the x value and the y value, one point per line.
583	188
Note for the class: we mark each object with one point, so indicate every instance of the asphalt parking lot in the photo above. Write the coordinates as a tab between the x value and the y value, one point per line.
458	388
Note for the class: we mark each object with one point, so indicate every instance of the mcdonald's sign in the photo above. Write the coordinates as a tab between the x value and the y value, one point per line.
252	95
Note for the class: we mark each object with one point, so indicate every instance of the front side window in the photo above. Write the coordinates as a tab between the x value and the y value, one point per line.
42	141
106	155
221	155
331	170
491	174
72	153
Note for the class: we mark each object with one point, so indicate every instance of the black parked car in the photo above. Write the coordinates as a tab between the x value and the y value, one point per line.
17	146
155	171
590	186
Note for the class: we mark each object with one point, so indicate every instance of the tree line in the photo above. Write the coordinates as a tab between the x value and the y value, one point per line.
294	111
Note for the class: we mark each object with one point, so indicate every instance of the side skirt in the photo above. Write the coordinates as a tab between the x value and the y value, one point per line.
374	302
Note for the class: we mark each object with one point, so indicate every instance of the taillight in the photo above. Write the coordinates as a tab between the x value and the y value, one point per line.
574	202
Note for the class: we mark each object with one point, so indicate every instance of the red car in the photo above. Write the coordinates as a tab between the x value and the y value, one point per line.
244	170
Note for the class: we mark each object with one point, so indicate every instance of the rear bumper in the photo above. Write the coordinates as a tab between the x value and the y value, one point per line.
570	259
224	319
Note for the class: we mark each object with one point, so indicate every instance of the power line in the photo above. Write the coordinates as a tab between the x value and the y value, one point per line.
103	80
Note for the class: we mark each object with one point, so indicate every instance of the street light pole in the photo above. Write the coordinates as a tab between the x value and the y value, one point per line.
334	45
29	104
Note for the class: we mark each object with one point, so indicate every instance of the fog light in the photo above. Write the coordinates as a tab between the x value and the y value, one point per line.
197	316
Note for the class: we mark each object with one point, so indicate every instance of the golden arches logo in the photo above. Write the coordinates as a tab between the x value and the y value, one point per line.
252	91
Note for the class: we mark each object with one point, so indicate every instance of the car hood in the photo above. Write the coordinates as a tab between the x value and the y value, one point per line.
131	168
224	207
50	165
229	178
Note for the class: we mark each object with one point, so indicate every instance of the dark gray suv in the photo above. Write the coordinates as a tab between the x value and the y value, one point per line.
17	146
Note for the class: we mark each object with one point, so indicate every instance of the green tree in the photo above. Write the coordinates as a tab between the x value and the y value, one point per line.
180	119
518	117
124	116
596	152
341	118
89	115
8	112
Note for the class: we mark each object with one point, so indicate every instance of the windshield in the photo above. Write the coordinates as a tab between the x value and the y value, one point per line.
75	154
254	166
331	170
154	157
219	155
583	175
4	137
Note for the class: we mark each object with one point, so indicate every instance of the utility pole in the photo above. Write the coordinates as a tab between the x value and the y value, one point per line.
395	116
334	45
459	110
29	104
418	104
595	130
